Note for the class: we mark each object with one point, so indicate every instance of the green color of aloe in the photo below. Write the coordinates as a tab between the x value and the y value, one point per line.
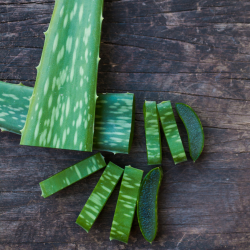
114	123
171	131
152	133
194	129
147	204
62	107
99	196
126	204
72	174
14	104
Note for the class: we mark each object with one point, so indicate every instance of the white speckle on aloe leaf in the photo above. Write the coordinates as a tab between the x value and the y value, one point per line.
69	44
65	21
55	42
81	13
60	54
81	71
87	33
72	74
75	138
46	86
11	96
67	107
62	11
73	123
79	121
81	82
68	131
86	55
50	100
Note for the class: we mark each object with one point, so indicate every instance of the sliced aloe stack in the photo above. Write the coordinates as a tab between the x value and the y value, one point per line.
147	204
152	133
62	108
194	129
99	196
125	207
171	131
72	174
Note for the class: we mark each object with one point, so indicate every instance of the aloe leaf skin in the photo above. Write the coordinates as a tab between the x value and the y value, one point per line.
126	204
99	196
152	133
14	104
194	129
114	122
171	131
62	107
147	204
72	174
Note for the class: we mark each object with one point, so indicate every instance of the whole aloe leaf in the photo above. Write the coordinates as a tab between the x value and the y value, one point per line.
62	107
14	104
114	121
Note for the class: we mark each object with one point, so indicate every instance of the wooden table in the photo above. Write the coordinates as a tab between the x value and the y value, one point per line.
196	52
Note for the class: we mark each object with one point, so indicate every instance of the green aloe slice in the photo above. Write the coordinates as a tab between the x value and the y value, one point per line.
14	104
171	131
114	122
99	196
72	174
62	107
147	204
152	133
194	129
126	204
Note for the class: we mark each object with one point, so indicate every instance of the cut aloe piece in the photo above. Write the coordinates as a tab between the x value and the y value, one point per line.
152	133
194	129
14	104
126	204
114	123
171	131
147	204
99	196
72	174
62	107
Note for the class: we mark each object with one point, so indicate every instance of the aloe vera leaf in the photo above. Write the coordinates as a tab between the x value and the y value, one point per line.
14	103
147	204
152	133
62	107
171	131
126	204
99	196
72	174
114	122
194	129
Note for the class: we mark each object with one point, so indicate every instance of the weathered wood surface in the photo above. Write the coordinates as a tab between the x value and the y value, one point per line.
196	52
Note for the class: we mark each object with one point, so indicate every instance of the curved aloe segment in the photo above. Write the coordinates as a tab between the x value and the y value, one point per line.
194	129
152	133
14	104
99	196
62	107
171	131
147	204
72	174
125	207
114	122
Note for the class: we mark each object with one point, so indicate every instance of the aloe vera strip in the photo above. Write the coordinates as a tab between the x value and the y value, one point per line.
194	129
114	122
62	108
72	174
99	196
147	204
126	204
152	133
171	131
14	104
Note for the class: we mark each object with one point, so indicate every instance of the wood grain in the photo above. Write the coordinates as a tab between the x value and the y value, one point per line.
196	52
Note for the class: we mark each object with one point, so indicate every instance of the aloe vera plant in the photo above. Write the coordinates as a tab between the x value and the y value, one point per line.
126	204
152	133
99	196
114	122
62	108
14	104
72	174
171	131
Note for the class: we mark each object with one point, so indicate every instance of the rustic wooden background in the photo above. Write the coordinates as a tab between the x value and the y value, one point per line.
196	52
